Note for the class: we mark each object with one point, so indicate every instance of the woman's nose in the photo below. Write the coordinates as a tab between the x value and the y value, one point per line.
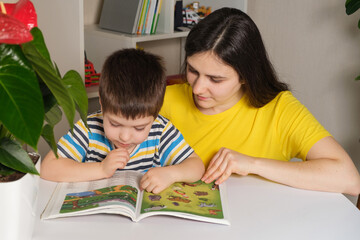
199	85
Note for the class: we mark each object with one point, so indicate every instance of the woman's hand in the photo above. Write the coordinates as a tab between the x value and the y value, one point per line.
157	179
224	163
116	159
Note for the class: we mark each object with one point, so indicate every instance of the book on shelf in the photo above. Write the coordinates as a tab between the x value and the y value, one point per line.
146	12
142	16
149	22
121	15
156	17
121	195
146	15
150	16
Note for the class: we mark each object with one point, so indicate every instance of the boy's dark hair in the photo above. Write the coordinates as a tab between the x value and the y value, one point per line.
132	84
234	37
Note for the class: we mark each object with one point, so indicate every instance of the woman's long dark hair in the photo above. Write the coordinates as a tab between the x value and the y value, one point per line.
234	38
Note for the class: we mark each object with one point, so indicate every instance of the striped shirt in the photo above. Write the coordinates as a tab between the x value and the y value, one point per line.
164	146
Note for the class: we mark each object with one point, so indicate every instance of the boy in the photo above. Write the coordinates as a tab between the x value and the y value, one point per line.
127	133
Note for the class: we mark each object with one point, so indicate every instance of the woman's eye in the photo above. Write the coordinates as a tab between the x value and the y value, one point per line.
192	70
215	80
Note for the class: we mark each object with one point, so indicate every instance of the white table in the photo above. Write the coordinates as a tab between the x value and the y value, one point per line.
259	209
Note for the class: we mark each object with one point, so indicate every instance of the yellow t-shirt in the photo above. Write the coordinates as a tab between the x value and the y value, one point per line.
282	129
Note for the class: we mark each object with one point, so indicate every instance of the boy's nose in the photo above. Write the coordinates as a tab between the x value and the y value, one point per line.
124	136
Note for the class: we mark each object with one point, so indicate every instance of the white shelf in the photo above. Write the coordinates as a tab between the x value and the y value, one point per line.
96	30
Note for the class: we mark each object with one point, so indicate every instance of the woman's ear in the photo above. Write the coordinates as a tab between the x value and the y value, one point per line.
241	79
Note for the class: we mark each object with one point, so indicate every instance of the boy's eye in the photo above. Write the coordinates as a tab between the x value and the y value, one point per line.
114	124
139	129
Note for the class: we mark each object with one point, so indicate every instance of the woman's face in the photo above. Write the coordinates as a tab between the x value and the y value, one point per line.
216	86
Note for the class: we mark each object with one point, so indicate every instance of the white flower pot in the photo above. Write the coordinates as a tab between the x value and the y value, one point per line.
18	201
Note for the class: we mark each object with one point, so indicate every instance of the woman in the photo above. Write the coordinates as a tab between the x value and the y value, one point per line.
241	119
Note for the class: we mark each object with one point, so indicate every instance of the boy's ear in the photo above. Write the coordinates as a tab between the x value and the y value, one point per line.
100	105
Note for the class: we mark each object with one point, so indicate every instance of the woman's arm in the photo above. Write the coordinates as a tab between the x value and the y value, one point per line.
159	178
328	168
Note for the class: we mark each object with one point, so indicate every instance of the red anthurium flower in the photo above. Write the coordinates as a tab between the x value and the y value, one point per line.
12	31
16	20
24	11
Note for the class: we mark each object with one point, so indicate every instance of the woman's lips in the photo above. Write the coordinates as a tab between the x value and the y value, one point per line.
201	98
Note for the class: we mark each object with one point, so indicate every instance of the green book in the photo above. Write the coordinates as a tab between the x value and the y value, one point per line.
157	17
142	15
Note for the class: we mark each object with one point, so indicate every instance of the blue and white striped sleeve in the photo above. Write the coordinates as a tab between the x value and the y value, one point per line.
74	145
173	148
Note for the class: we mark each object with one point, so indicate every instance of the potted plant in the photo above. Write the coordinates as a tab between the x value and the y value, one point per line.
32	91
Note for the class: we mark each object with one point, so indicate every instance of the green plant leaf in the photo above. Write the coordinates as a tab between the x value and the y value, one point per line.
48	99
352	6
357	78
53	116
49	76
48	136
13	156
21	100
75	85
4	132
12	55
57	69
5	171
39	43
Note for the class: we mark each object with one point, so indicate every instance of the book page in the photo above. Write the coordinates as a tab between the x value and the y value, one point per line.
198	201
117	194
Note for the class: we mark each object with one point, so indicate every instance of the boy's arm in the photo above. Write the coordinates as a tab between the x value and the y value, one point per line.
159	178
67	170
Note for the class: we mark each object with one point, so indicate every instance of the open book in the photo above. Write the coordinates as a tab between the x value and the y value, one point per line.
121	195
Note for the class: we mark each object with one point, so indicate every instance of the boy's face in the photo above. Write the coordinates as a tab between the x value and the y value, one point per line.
126	133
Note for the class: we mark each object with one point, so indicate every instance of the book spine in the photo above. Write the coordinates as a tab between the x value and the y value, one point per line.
146	17
152	11
141	20
157	17
154	17
138	15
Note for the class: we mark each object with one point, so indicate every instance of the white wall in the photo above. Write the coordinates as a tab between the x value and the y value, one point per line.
314	47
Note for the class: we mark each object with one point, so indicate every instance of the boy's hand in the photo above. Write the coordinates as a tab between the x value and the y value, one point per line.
116	159
157	179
